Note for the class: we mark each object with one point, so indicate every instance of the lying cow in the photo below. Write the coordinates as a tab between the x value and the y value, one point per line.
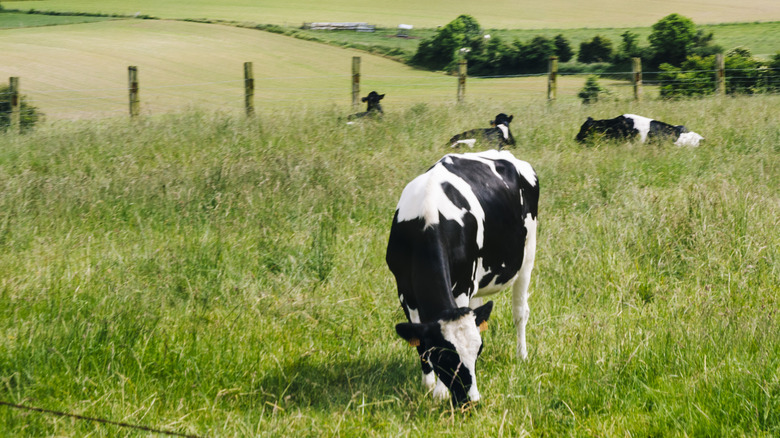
497	136
463	230
629	126
373	108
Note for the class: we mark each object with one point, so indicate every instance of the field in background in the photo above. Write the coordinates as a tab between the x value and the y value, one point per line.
507	14
220	276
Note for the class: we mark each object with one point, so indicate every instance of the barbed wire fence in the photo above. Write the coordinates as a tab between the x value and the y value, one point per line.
244	94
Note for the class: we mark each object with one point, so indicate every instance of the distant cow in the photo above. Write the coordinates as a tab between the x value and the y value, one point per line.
463	230
497	136
373	107
628	126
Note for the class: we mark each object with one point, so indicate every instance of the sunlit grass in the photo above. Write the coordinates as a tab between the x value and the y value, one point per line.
220	276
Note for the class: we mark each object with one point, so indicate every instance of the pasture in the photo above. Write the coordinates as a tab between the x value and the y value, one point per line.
501	14
213	275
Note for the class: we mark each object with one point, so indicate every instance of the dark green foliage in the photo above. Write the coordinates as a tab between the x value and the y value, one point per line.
591	91
439	52
599	49
563	49
696	76
28	114
672	39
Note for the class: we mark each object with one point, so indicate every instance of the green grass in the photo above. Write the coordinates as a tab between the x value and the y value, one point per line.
11	20
503	14
212	275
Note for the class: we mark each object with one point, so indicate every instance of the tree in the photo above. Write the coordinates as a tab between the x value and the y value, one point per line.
672	39
438	52
563	48
599	49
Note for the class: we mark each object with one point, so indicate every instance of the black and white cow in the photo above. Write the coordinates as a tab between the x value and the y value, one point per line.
463	230
497	136
373	108
629	126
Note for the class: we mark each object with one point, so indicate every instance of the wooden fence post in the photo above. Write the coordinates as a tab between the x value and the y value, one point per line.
355	82
13	90
637	77
462	73
720	75
135	103
552	79
249	89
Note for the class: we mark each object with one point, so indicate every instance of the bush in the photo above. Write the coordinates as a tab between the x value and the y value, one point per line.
696	76
599	49
28	114
438	52
591	92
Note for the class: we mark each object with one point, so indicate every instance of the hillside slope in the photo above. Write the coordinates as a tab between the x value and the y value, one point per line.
509	14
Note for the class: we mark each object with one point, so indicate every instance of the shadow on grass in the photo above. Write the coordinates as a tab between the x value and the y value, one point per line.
315	382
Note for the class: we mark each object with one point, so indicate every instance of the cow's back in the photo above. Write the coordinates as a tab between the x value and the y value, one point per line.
460	227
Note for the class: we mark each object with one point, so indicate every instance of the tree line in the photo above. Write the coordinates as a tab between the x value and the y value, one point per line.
675	46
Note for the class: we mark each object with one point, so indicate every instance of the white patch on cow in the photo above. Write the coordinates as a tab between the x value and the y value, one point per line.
504	130
424	197
440	392
641	124
429	380
463	333
689	139
520	310
462	300
470	142
414	315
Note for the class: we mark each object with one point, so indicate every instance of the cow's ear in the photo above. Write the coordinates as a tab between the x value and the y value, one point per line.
381	96
411	332
509	120
363	99
483	313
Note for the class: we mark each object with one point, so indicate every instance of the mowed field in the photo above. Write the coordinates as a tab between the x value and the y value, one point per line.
510	14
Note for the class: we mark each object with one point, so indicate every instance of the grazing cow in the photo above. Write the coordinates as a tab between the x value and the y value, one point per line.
628	126
463	230
373	109
497	136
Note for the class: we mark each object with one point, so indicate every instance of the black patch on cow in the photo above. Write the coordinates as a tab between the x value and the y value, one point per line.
664	131
491	137
620	127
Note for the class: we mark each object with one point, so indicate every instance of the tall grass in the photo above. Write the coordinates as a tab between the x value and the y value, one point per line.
224	277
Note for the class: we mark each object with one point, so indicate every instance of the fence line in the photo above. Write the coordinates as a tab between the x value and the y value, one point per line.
228	94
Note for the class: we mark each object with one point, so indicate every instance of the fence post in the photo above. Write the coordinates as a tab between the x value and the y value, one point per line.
13	90
462	73
135	103
355	82
552	79
720	74
637	77
249	89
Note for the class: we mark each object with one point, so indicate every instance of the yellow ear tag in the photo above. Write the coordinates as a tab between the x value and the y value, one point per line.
414	342
483	326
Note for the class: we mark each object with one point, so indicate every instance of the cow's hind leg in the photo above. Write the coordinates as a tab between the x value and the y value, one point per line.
520	309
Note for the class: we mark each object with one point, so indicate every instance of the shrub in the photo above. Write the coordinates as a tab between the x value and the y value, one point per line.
591	92
599	49
28	114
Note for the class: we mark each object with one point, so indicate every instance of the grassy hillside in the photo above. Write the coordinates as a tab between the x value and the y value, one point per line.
81	70
223	277
504	14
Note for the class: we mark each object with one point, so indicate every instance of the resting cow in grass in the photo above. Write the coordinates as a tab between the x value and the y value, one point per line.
463	230
629	126
373	108
496	137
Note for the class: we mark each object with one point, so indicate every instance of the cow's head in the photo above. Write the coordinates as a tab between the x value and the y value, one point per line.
502	119
451	346
689	138
585	129
373	99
